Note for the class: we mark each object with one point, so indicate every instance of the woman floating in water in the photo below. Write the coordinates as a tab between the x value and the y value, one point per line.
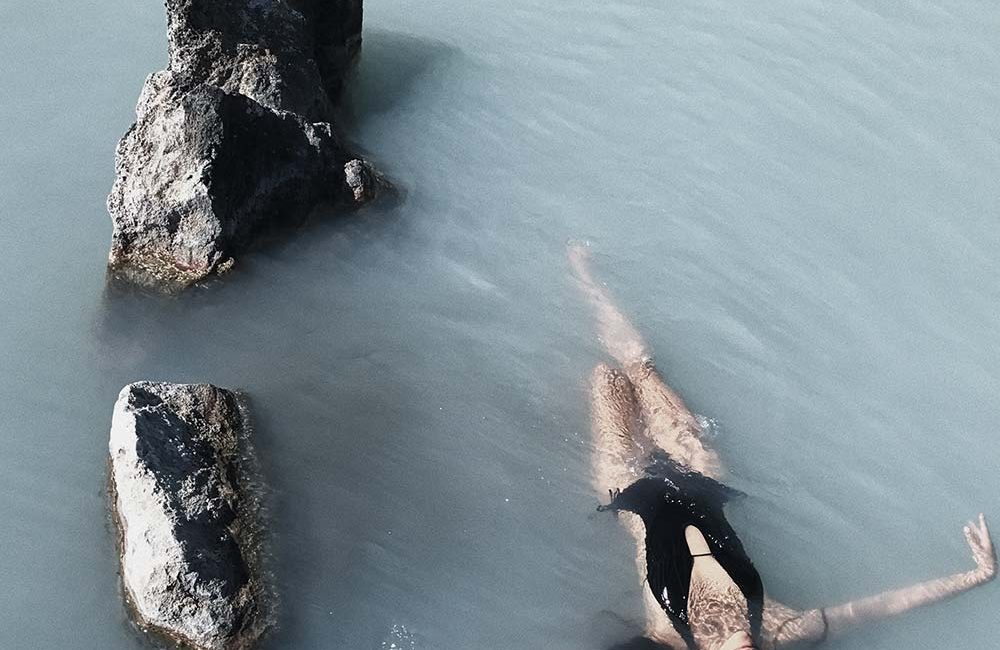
704	591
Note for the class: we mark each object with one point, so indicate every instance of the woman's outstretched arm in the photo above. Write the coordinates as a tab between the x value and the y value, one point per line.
890	603
815	625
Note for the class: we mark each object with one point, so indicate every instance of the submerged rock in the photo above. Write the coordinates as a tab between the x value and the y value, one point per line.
237	134
188	522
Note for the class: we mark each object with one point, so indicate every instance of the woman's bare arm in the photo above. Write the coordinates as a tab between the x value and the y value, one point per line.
890	603
814	625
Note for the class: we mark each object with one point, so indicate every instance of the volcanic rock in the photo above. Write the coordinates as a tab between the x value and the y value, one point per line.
187	515
236	135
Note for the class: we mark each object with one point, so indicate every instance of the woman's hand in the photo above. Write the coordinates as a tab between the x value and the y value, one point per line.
890	603
977	534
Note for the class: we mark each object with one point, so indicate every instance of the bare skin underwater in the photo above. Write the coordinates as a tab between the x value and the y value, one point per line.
634	414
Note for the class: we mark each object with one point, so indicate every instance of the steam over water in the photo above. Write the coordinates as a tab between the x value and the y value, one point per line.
796	202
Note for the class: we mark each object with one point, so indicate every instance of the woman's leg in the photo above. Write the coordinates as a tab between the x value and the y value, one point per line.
668	422
617	455
617	462
621	339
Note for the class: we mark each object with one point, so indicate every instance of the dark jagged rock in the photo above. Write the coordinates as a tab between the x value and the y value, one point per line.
235	135
187	517
264	49
362	180
336	30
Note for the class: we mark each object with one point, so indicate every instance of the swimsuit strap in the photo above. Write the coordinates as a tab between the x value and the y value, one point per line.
700	554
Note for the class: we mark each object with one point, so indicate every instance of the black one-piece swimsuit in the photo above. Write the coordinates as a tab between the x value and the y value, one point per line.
669	498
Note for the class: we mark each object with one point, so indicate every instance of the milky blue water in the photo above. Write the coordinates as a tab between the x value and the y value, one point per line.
796	202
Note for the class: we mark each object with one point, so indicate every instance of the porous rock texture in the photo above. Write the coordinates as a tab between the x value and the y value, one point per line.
235	135
187	516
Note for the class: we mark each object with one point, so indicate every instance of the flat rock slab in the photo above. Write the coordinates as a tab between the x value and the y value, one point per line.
187	515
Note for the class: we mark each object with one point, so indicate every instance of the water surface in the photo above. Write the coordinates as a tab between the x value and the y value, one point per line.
796	201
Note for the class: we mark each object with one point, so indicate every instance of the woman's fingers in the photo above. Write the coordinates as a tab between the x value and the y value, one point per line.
982	534
973	539
984	530
977	534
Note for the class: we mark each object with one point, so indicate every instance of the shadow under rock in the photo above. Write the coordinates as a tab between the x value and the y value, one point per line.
391	67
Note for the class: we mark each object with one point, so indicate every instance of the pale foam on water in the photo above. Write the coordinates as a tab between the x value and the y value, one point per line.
399	638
